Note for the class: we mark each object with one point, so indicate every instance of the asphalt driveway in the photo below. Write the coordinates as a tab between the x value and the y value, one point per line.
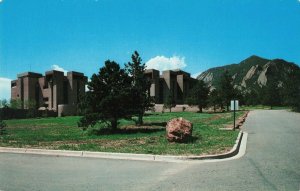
271	162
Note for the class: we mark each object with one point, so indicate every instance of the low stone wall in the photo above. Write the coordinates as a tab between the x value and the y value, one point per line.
66	110
178	108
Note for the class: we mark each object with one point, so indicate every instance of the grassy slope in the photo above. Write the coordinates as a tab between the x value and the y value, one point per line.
63	133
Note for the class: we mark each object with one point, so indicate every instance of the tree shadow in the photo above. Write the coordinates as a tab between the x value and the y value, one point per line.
132	129
189	140
193	139
161	124
150	114
109	131
218	112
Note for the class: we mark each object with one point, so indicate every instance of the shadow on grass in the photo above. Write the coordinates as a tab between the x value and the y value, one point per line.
188	140
193	139
109	131
150	114
219	112
146	128
162	124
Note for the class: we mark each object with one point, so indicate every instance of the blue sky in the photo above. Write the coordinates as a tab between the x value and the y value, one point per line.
193	35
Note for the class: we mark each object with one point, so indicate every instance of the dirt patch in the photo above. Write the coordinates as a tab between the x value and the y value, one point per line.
213	118
239	122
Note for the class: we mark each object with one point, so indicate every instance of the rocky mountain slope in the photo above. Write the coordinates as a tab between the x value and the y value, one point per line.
252	73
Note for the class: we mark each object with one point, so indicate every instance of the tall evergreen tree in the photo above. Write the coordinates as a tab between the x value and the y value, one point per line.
252	98
199	95
2	127
292	90
271	94
140	87
108	96
227	89
215	99
169	102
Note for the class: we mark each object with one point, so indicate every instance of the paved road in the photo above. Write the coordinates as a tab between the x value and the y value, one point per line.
272	162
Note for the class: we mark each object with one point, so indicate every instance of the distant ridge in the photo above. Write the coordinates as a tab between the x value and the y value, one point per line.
252	73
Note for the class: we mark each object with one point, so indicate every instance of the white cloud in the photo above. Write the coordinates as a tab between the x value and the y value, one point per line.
196	75
162	63
58	68
86	86
5	90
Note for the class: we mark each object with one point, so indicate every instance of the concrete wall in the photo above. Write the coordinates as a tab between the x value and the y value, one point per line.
14	89
153	76
177	82
58	79
170	85
48	91
77	83
25	88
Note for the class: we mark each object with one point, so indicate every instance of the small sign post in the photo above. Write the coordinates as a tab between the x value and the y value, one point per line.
234	114
234	107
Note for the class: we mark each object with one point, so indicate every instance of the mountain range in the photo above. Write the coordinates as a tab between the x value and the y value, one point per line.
253	73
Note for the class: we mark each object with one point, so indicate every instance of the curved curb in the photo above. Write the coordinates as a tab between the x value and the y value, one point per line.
238	123
232	154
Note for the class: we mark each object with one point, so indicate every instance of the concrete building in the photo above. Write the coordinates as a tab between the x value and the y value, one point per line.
60	93
54	91
175	82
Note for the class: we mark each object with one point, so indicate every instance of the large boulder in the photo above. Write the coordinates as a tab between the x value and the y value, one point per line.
179	130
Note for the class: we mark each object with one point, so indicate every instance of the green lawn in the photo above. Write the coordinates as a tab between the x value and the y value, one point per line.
253	107
63	133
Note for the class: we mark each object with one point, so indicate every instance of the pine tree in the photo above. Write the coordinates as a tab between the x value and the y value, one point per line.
215	99
108	96
140	89
199	95
227	89
292	90
2	127
252	98
170	101
271	94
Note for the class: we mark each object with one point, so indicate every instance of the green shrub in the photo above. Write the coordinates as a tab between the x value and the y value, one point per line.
2	127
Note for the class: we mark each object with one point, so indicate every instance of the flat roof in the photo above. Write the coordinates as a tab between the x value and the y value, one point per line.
30	74
53	71
151	70
75	73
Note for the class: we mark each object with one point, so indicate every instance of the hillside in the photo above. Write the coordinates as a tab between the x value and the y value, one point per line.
253	73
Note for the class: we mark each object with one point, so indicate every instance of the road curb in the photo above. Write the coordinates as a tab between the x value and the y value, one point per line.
126	156
234	151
